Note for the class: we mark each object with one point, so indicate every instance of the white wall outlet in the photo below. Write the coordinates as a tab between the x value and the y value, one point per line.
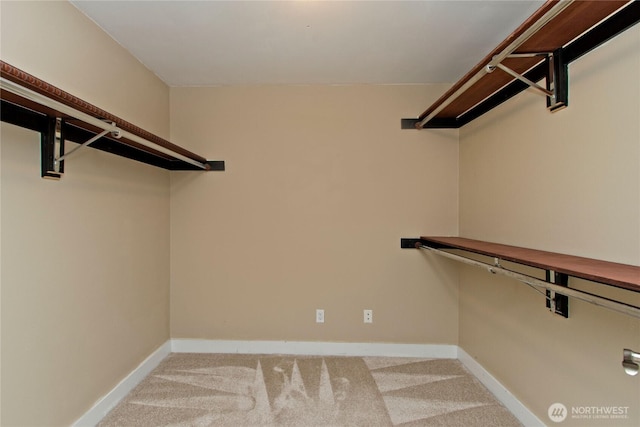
368	316
319	315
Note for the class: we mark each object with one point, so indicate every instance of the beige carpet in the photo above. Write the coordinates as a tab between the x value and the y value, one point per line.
266	390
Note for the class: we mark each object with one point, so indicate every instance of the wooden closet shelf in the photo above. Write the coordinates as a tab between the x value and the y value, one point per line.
559	32
610	273
35	104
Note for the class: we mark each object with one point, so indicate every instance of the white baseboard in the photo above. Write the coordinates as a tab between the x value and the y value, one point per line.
436	351
102	407
521	412
431	351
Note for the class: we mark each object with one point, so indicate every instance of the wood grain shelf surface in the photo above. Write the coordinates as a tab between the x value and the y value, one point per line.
615	274
577	19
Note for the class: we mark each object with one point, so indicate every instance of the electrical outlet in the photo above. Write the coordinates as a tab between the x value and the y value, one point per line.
319	315
368	316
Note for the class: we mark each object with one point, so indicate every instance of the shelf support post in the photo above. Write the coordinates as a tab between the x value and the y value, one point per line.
51	148
557	303
557	81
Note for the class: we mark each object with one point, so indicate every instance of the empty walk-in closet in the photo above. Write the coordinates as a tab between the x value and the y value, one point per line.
455	185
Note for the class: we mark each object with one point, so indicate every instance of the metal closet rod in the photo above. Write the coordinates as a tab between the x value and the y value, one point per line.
620	307
534	28
19	90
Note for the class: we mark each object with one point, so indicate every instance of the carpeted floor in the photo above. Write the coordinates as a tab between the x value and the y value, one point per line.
267	390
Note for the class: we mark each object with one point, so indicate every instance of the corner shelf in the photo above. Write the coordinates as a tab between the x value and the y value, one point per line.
559	32
37	105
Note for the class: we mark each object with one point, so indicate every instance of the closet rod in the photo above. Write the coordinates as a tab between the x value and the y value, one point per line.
495	60
38	98
620	307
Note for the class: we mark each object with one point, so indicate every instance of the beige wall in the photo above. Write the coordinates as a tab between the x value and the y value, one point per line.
54	41
85	261
566	182
321	184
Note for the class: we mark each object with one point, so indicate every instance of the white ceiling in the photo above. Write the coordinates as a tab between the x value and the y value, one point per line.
203	43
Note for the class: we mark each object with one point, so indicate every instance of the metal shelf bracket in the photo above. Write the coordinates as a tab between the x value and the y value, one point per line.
51	149
557	303
557	81
557	78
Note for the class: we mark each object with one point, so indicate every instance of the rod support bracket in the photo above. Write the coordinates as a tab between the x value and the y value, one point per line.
630	362
117	133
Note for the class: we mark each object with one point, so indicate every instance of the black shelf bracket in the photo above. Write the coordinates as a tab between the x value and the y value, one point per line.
410	243
557	303
557	81
52	148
